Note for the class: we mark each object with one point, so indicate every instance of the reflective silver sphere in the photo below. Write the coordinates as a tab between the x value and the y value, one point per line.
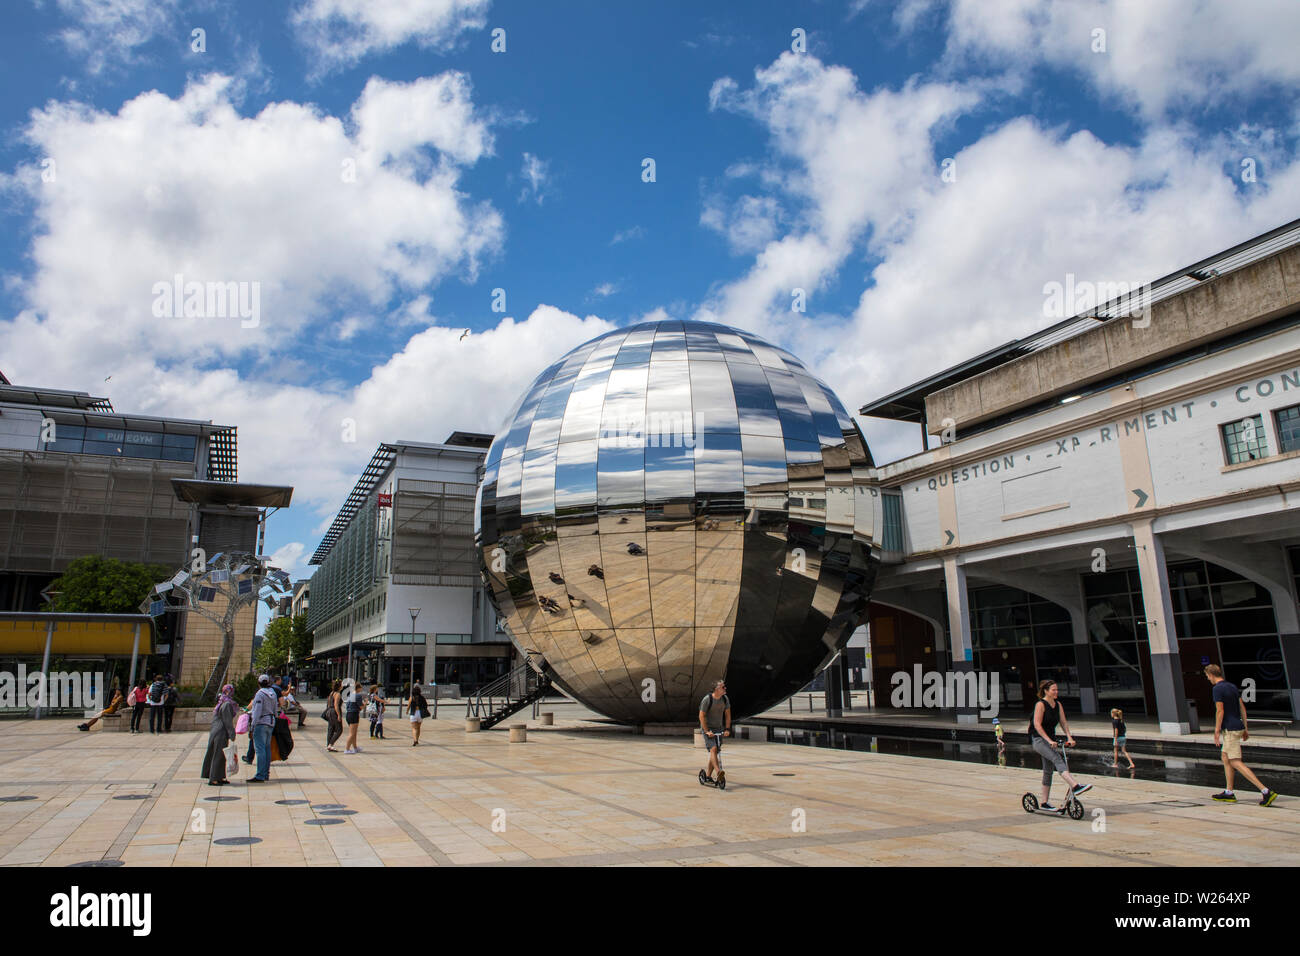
674	503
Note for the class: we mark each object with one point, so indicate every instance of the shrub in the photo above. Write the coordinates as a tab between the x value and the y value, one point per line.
245	688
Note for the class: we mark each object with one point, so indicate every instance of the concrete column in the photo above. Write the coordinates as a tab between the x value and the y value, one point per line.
135	652
959	642
1166	669
45	671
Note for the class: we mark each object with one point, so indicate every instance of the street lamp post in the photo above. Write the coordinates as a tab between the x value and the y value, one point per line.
352	626
414	612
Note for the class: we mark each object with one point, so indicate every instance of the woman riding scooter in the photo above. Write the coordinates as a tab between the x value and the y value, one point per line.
1042	735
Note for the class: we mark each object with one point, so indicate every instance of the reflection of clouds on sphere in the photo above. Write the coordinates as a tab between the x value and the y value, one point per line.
673	503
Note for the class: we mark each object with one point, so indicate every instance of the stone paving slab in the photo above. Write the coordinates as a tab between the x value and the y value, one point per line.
583	793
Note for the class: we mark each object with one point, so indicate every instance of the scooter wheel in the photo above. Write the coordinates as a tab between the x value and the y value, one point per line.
1076	810
722	782
704	778
1029	802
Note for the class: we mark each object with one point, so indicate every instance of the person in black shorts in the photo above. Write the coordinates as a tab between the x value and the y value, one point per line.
715	721
1042	736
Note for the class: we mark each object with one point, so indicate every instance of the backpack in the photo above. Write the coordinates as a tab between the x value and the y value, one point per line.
156	691
173	697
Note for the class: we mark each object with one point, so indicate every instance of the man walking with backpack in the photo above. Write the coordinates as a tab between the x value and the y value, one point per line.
715	721
156	698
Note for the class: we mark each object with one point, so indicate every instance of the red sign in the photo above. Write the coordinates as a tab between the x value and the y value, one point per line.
385	501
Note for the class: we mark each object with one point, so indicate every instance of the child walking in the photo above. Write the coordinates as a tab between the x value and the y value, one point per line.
376	695
1121	738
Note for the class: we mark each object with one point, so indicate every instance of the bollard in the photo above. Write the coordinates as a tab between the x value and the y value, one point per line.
518	733
699	739
472	724
548	719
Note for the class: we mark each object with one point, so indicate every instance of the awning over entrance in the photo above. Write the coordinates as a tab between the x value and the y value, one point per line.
24	633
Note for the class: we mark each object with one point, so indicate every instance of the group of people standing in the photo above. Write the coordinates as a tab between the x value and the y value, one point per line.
267	725
345	705
159	697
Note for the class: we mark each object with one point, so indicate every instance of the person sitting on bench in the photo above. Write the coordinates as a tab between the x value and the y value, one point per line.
110	709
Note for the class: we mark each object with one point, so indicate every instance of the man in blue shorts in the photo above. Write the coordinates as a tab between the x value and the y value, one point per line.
715	721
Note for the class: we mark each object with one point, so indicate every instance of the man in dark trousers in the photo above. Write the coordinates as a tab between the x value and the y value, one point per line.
1230	725
715	721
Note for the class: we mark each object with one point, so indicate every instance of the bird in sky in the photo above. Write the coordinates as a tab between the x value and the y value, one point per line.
462	336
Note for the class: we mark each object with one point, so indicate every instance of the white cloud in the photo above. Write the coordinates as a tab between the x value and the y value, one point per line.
1160	55
402	121
109	31
190	186
748	224
286	199
341	32
292	558
959	267
848	160
635	232
604	290
537	178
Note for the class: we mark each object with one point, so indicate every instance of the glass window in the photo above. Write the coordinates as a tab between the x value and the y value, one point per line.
1056	633
1260	649
1237	594
1190	599
1256	621
1288	428
1055	656
1194	625
177	454
1112	654
180	441
1245	440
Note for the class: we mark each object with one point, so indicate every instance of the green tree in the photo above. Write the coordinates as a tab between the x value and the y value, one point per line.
274	652
301	643
97	585
285	637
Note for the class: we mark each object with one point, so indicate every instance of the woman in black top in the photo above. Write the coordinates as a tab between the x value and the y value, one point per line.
1042	735
418	708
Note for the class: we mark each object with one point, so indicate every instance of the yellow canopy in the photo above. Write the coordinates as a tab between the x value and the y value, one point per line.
23	635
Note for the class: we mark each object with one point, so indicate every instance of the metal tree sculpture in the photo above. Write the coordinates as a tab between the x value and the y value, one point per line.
218	588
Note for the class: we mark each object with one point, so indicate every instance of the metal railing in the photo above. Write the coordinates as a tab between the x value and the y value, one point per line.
525	682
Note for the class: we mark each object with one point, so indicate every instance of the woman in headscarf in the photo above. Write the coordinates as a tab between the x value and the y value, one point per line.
219	736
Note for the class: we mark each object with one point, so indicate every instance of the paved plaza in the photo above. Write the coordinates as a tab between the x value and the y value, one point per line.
583	793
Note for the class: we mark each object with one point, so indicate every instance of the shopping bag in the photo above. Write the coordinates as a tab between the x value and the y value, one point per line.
241	725
232	761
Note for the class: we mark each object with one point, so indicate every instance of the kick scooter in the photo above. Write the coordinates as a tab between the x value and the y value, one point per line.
1072	806
721	782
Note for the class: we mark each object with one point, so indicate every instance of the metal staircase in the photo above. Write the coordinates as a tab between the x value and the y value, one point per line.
507	695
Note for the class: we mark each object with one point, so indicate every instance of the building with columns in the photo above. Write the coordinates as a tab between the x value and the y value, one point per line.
1113	502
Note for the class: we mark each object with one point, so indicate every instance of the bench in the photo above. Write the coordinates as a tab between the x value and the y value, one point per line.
1284	724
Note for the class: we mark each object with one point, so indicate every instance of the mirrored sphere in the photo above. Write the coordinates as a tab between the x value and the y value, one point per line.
674	503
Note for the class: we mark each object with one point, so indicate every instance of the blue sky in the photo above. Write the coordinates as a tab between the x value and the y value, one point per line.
779	164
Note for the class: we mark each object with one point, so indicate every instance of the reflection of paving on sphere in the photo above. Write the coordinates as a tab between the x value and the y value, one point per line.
643	571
